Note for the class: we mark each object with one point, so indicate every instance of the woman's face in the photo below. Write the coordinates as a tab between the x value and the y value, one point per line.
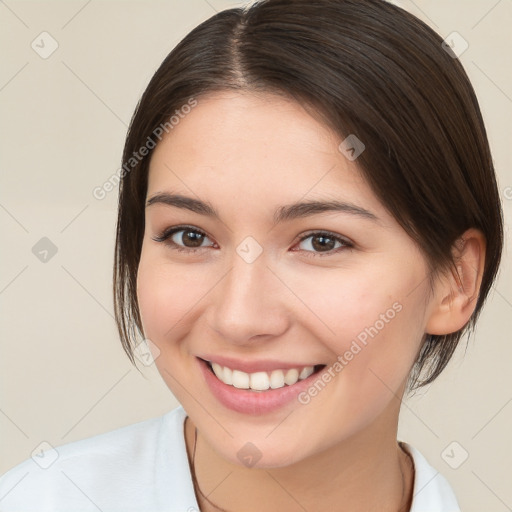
255	283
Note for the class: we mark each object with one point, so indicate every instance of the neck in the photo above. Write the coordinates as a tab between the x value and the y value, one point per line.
369	471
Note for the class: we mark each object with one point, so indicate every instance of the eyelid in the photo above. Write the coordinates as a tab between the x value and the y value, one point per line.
167	233
331	234
346	242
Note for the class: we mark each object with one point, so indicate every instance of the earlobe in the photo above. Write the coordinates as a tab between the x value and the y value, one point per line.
457	293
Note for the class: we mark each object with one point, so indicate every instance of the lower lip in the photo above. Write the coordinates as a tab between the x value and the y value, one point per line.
253	402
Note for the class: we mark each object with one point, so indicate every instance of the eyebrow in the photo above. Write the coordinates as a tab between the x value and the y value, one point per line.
284	213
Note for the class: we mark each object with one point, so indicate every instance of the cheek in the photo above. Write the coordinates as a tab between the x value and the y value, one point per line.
373	323
166	296
375	344
347	303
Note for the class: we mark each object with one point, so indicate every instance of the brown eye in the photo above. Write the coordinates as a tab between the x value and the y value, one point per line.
188	238
183	238
321	242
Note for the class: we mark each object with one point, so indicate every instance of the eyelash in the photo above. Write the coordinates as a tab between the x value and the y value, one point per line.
168	233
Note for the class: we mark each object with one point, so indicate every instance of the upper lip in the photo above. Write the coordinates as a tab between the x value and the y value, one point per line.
266	365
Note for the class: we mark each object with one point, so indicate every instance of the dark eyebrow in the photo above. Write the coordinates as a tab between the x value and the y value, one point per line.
284	213
305	209
188	203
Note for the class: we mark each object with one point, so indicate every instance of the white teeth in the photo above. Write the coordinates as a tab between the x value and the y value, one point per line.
228	376
291	376
306	372
240	379
217	369
277	379
261	381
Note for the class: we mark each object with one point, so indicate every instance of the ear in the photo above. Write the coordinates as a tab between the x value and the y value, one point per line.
456	293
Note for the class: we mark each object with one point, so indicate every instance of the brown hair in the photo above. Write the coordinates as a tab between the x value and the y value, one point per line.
367	68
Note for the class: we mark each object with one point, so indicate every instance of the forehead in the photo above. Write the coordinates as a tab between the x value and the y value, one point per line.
254	149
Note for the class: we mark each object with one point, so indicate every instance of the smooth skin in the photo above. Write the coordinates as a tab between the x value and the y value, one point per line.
247	155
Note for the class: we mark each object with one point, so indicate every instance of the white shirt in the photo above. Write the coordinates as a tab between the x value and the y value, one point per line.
144	467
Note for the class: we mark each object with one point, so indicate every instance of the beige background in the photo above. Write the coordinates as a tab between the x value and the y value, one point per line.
63	374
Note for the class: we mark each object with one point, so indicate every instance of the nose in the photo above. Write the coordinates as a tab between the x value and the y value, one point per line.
249	303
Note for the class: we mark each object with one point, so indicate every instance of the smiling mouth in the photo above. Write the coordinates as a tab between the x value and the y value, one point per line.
262	381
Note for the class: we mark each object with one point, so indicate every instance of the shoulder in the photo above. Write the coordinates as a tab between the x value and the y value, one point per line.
431	490
117	470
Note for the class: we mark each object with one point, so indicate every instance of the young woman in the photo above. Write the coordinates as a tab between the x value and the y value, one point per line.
308	223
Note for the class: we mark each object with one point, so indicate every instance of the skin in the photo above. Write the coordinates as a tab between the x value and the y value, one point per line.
247	155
